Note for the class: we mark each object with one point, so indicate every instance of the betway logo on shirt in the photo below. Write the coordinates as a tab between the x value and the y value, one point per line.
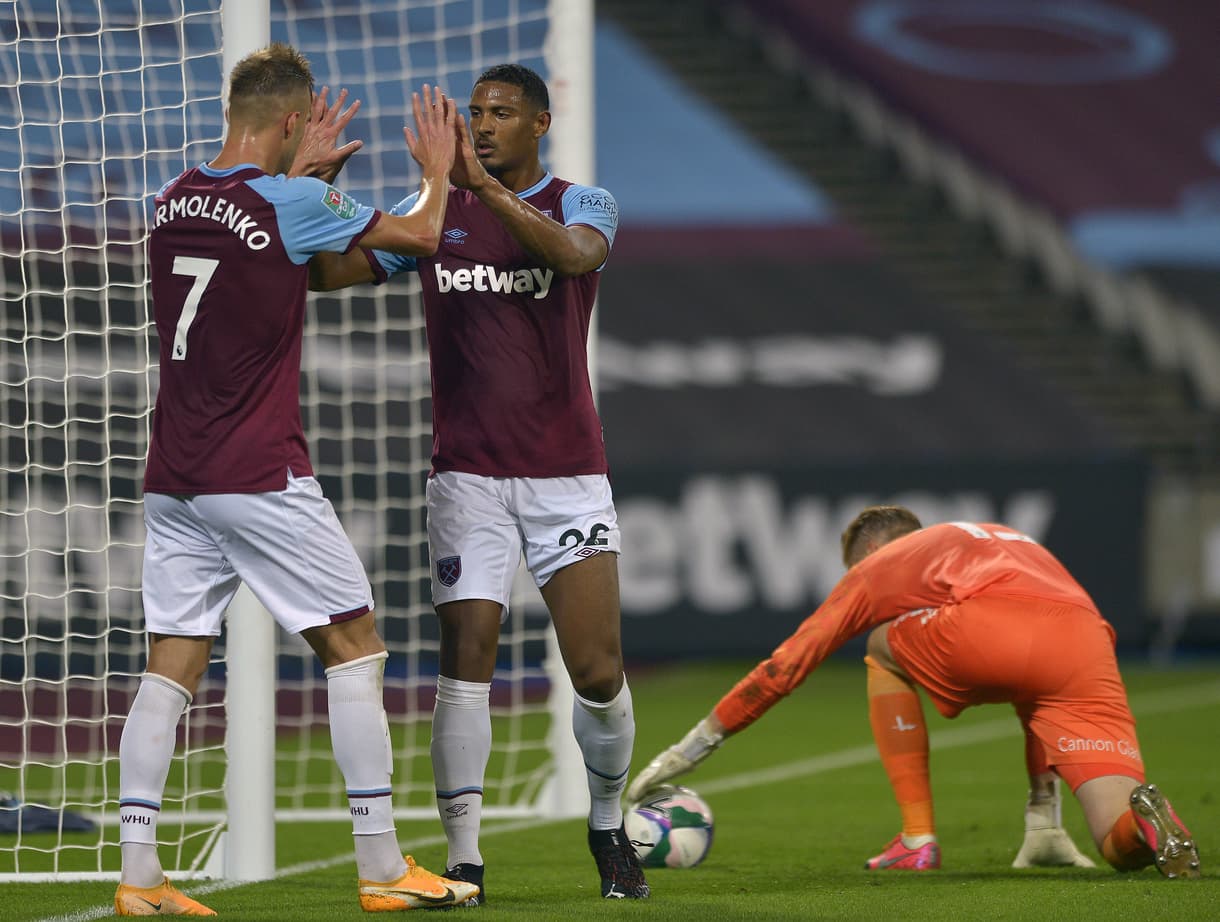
489	278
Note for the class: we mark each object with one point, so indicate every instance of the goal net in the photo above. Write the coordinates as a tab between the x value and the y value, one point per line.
101	102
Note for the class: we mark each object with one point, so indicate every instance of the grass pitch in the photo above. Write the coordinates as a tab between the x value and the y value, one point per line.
800	801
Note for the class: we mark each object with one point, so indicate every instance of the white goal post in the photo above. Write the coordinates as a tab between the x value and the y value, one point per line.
102	101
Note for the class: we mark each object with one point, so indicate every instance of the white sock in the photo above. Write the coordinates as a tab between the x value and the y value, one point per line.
605	732
461	745
360	738
146	749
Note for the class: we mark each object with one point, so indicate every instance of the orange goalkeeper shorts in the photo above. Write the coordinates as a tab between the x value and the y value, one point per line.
1054	662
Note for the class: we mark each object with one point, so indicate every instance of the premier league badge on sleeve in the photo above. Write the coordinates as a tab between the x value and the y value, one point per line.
449	570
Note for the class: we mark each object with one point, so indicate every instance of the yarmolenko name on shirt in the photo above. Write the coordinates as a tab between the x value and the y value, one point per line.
220	211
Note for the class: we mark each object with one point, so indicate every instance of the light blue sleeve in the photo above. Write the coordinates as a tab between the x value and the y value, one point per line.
593	206
392	262
312	216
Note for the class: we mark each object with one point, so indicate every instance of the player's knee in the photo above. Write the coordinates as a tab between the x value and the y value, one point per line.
344	641
468	654
597	678
470	662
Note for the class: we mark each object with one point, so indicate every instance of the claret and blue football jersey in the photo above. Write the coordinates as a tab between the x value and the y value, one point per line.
507	338
228	256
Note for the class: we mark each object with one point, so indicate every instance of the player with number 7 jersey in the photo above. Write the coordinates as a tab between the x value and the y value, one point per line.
228	255
229	493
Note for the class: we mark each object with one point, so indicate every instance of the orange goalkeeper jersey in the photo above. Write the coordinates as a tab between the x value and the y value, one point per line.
935	566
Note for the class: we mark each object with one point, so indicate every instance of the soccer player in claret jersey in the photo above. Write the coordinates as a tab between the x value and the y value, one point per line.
229	491
972	614
518	459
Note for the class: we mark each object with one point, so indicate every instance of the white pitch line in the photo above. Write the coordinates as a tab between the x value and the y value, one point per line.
1162	702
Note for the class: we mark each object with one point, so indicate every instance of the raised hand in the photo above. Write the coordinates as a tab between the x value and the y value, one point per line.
468	170
317	155
431	144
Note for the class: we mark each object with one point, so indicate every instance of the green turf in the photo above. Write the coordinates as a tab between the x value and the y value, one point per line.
794	848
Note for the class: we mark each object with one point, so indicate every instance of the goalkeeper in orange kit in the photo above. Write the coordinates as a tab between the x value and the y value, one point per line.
972	614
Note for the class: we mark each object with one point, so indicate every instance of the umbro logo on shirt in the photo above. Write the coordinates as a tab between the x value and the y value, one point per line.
456	235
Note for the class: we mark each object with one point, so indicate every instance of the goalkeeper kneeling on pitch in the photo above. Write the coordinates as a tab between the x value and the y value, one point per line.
972	614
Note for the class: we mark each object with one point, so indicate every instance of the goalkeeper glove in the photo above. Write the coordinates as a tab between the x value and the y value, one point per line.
1047	843
1050	847
678	759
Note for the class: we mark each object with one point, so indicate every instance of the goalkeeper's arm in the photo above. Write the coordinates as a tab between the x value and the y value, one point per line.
702	740
768	682
748	700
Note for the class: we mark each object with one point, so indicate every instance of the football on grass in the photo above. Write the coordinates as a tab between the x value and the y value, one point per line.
670	828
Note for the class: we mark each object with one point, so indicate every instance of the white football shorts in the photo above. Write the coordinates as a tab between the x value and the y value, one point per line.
287	546
478	527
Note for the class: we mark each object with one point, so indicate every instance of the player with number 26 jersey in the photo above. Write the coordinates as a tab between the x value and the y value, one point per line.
507	337
518	462
228	257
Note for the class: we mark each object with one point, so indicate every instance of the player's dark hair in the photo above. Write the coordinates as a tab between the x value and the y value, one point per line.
879	524
274	73
533	89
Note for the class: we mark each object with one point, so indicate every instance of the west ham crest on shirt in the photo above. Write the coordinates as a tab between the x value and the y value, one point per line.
449	570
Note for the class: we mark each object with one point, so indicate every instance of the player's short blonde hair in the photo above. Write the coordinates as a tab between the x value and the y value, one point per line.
267	82
879	525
